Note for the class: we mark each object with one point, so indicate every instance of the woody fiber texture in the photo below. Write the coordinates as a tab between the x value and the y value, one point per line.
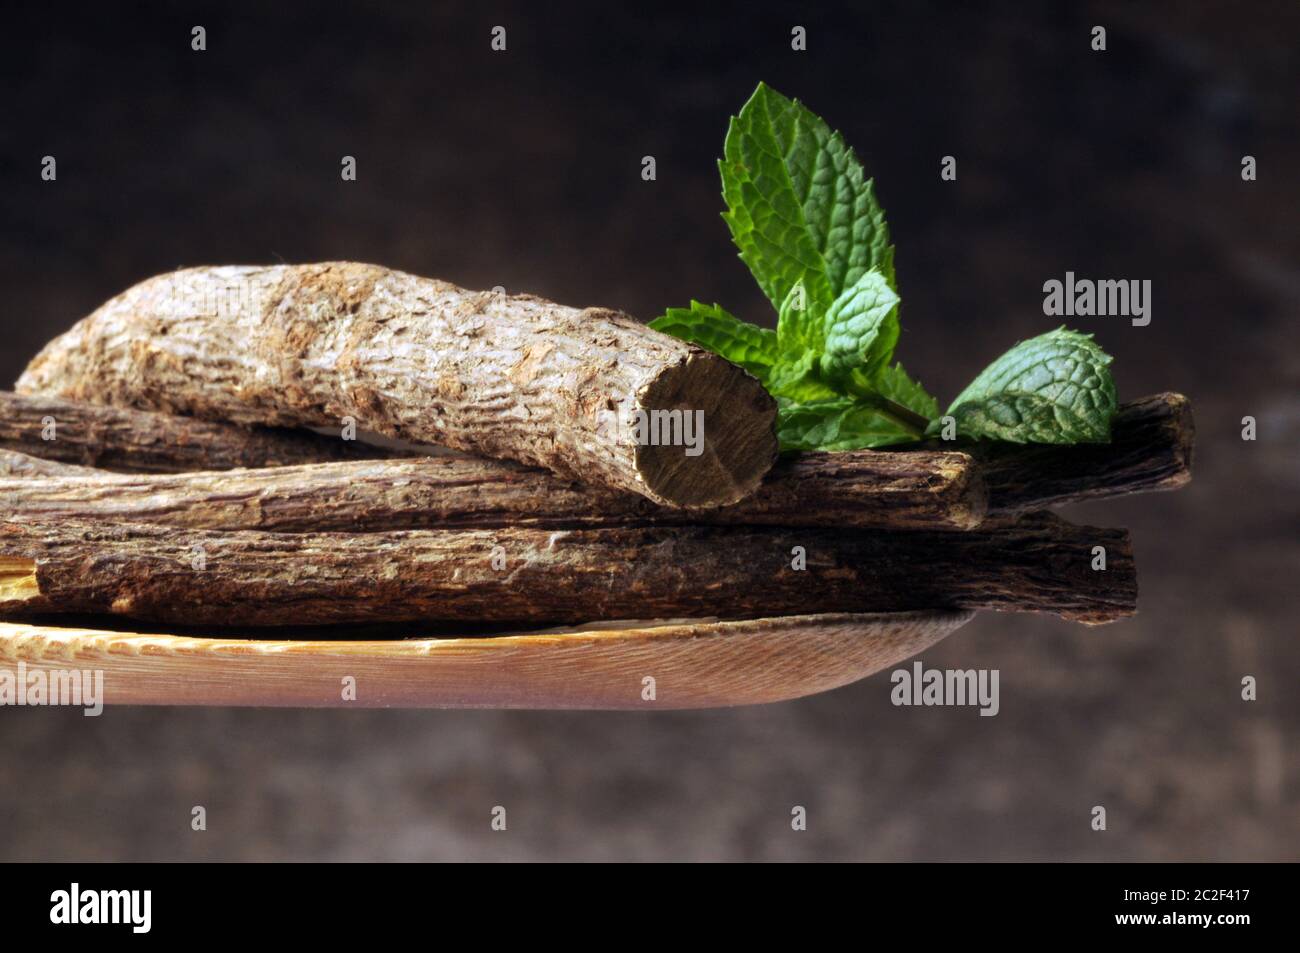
868	490
531	576
137	441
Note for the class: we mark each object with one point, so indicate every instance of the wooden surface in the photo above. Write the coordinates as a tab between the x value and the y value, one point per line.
695	665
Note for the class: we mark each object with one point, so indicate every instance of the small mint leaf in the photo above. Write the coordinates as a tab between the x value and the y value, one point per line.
798	322
1055	388
861	329
797	379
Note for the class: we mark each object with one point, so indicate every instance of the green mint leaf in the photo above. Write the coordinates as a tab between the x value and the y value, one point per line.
861	330
797	378
1055	388
713	329
799	206
893	383
798	323
841	424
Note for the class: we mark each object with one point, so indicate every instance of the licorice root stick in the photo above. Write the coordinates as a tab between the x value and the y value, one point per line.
869	491
590	393
138	441
534	577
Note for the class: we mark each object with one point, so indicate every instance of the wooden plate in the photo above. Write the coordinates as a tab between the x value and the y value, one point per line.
694	664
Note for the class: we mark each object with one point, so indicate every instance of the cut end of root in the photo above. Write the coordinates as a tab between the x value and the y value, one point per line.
968	506
1184	435
709	434
18	579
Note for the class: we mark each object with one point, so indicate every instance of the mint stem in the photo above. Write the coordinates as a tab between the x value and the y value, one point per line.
909	420
914	423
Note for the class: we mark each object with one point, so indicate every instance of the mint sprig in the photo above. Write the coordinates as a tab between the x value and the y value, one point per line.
807	223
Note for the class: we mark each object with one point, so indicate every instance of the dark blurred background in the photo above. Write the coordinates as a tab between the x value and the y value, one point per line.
522	169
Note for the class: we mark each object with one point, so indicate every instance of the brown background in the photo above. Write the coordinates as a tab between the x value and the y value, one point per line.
523	169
